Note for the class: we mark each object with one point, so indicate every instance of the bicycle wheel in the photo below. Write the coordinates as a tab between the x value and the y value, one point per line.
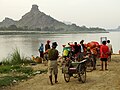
89	66
82	73
66	77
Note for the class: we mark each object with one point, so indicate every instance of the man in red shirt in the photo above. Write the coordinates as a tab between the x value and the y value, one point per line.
104	51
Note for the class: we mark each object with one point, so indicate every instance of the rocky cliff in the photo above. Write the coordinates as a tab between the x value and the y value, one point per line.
35	19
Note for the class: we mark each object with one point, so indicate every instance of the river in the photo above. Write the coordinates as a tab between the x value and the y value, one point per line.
28	44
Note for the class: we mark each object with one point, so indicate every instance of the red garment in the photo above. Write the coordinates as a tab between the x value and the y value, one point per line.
104	50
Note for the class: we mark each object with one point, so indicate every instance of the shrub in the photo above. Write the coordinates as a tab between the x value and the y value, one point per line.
15	59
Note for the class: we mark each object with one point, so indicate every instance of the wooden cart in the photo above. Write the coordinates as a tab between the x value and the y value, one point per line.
77	69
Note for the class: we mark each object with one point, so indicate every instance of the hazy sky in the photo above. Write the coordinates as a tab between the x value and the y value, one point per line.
91	13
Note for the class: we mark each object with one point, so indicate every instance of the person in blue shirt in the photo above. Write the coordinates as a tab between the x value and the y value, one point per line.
41	50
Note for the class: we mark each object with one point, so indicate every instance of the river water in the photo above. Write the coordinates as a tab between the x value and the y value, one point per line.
28	44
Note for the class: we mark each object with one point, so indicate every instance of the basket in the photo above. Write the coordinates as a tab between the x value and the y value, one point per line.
38	60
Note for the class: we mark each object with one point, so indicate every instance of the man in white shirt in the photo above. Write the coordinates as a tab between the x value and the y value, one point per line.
110	49
82	48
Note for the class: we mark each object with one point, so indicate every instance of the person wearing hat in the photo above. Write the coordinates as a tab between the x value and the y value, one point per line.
52	62
47	46
66	51
81	49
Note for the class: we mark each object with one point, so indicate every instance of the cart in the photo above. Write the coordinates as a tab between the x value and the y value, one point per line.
75	69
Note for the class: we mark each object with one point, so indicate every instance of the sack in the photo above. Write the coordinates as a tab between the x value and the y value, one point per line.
94	51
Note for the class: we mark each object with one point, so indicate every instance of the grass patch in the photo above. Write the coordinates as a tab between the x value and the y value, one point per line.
8	80
16	68
25	70
20	73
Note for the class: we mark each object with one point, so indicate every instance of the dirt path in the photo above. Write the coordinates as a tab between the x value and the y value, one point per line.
96	80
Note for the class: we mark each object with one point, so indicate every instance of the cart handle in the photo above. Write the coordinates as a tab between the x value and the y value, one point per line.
81	61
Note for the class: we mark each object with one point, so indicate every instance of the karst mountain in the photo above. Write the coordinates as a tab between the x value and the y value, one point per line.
35	19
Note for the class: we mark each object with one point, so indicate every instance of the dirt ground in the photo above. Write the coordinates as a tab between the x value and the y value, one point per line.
96	80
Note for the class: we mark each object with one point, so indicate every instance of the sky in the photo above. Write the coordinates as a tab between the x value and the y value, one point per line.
90	13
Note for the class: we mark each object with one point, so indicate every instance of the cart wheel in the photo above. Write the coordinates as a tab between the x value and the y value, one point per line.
66	77
82	73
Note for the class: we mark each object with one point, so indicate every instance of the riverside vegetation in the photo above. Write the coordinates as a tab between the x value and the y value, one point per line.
15	68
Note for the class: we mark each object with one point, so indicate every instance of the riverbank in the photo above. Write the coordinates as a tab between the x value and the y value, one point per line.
96	80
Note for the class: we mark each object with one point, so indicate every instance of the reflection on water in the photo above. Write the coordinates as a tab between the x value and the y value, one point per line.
29	44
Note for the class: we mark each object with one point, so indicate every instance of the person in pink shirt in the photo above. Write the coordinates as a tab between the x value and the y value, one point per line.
104	51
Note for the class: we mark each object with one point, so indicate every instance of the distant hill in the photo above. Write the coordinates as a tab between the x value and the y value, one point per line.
37	20
7	22
117	29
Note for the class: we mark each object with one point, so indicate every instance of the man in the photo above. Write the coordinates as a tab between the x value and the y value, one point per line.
104	51
94	56
76	48
81	49
110	49
41	50
47	46
66	51
52	62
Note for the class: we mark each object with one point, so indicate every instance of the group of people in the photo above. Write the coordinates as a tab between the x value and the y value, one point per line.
79	52
41	48
76	51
